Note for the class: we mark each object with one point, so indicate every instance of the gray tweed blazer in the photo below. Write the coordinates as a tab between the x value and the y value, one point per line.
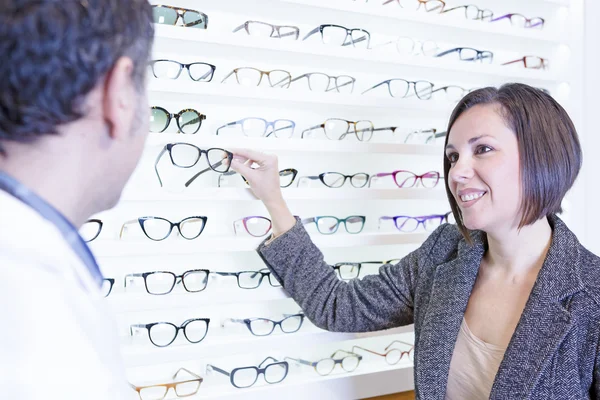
553	353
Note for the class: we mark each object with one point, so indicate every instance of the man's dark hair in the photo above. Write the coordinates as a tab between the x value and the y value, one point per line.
549	149
55	51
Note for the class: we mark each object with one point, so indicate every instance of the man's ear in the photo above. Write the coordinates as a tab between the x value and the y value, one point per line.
119	98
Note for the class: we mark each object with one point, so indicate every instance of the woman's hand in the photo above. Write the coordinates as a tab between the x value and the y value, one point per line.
261	170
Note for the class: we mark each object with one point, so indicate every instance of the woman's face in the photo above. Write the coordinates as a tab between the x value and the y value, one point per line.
484	175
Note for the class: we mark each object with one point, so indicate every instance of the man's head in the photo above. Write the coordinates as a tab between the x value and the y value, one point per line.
73	89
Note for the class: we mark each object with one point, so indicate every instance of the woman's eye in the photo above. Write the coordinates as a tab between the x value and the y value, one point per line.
452	157
483	149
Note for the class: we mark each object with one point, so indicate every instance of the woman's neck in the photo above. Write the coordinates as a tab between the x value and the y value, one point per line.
519	252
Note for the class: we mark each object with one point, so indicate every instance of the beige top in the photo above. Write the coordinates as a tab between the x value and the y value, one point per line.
473	367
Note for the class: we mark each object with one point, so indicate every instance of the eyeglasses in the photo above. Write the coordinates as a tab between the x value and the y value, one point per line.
428	5
183	388
107	286
533	62
392	356
407	179
338	129
169	69
423	136
408	46
162	334
470	54
351	270
169	15
258	127
188	120
264	326
163	282
401	87
157	229
255	225
452	92
337	180
338	35
348	361
320	82
185	155
273	370
473	12
328	225
286	177
247	76
405	223
258	28
522	21
251	279
90	229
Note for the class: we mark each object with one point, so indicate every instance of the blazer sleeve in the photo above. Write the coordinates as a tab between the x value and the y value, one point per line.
376	302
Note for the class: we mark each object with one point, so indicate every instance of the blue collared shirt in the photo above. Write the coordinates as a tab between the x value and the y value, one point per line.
66	228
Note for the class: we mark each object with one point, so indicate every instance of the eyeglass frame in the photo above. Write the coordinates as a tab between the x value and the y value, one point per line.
320	28
111	282
306	221
267	124
348	131
263	272
543	62
262	73
416	177
180	15
388	350
141	221
479	54
480	11
172	385
336	267
259	371
168	148
328	89
248	323
339	361
420	220
246	219
421	2
293	171
170	116
177	279
182	327
100	226
527	20
187	67
409	84
273	29
321	177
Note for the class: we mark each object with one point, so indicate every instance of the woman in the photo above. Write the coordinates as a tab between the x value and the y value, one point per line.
506	303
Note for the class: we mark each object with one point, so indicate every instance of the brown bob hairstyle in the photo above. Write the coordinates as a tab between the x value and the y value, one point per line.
549	149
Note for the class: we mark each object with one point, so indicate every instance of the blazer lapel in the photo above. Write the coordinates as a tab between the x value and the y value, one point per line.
452	285
545	321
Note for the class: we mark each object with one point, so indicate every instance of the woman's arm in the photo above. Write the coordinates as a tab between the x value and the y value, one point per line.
373	303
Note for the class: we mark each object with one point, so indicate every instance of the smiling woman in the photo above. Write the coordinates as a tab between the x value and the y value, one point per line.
506	303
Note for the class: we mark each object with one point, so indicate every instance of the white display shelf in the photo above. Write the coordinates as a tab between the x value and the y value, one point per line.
115	248
181	90
204	140
182	41
241	194
392	11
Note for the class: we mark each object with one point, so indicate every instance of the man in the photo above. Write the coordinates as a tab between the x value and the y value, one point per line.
73	122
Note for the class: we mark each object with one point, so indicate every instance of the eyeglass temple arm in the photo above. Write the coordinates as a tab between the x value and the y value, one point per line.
299	77
228	173
281	81
352	41
206	75
452	9
280	129
232	321
311	128
193	178
131	276
210	367
312	32
379	175
383	218
515	61
239	27
189	372
305	221
373	87
203	20
296	31
267	359
226	125
399	341
306	177
502	17
345	352
370	351
339	86
300	361
195	120
136	327
391	1
387	128
443	53
228	75
164	149
123	227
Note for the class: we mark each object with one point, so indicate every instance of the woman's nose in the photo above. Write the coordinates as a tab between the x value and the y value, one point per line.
462	170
